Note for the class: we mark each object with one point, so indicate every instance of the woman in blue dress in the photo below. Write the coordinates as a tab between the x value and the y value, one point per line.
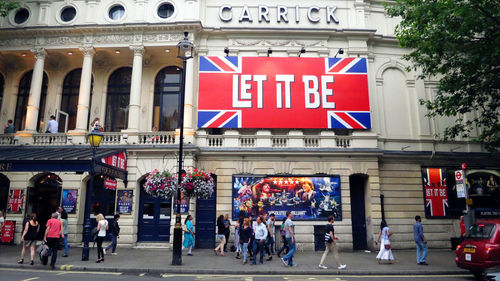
188	235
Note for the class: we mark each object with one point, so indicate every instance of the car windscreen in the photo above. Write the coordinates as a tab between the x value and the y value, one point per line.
481	231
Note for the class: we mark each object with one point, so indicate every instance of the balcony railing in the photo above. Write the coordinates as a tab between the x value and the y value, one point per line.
157	138
50	139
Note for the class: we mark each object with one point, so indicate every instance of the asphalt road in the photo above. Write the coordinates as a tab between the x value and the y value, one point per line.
45	275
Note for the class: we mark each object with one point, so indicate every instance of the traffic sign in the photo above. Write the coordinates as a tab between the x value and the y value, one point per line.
464	166
459	183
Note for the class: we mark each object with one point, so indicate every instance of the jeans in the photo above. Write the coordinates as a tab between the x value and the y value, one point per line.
66	244
244	247
285	246
293	247
53	244
113	243
421	246
270	242
258	246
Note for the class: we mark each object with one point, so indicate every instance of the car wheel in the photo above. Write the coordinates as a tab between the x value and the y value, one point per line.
480	275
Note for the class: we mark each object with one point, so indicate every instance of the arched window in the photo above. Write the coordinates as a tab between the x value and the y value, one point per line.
2	85
22	101
167	99
117	101
69	100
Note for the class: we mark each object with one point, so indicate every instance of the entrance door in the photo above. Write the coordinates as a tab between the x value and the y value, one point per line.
4	192
43	199
205	220
357	185
154	218
102	201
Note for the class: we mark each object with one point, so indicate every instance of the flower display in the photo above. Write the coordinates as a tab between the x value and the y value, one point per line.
195	183
161	184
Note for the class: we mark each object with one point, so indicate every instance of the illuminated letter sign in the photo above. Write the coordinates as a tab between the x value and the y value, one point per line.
286	92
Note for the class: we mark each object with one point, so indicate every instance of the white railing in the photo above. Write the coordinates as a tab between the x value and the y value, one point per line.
7	139
157	138
279	141
311	141
248	141
344	142
111	138
215	141
50	139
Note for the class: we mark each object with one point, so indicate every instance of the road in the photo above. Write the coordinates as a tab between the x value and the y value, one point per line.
7	274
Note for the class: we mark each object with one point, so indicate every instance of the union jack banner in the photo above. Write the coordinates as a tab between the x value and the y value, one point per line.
283	92
16	200
436	193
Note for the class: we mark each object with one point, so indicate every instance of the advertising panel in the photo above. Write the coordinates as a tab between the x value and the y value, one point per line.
307	197
69	198
435	192
283	92
16	201
124	204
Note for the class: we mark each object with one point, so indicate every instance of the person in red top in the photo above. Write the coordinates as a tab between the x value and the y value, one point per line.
52	236
462	229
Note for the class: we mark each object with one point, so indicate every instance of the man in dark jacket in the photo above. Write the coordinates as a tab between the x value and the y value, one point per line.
114	233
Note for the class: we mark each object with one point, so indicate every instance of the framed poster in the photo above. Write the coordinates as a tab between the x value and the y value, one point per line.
184	204
124	202
307	197
7	233
69	198
16	201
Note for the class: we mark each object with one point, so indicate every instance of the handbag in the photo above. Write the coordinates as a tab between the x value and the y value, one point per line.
387	246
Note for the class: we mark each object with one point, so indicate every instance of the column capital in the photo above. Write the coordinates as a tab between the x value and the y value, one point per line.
40	53
137	49
87	50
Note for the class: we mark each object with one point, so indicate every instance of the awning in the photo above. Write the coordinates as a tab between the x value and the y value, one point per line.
63	159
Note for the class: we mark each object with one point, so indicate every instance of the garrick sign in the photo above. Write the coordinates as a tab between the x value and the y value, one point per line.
279	13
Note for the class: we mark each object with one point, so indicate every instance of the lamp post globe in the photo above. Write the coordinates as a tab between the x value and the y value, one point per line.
185	50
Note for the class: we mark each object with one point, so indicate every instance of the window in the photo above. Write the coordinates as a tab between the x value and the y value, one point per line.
116	12
117	101
22	101
167	99
481	231
21	16
69	100
2	85
68	14
165	10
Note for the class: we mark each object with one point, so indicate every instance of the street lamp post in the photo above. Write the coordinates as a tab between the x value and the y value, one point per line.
94	138
184	51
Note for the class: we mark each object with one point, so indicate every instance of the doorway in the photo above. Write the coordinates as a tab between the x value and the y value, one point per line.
154	218
102	201
357	185
43	199
205	220
4	192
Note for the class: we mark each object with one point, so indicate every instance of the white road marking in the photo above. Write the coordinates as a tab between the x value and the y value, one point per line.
29	279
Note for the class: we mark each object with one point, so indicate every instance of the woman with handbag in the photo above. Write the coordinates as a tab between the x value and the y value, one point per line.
188	235
102	227
385	253
29	238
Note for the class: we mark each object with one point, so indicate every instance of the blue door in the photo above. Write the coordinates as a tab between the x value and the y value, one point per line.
205	220
154	218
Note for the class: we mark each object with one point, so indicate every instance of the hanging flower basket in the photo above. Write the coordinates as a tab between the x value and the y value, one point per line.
161	185
197	183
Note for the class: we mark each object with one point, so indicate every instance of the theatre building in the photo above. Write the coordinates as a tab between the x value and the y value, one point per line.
303	107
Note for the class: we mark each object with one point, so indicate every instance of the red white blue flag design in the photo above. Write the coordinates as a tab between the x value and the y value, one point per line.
283	92
436	193
16	201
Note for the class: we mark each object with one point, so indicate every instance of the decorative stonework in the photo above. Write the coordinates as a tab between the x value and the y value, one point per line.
281	43
87	50
40	53
137	49
17	42
163	37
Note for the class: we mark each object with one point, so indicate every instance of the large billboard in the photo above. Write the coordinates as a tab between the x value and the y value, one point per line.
307	197
283	92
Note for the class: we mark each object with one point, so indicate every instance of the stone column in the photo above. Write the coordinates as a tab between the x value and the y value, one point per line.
135	90
35	90
85	87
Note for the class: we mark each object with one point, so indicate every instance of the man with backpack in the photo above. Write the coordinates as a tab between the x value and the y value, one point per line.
331	245
114	233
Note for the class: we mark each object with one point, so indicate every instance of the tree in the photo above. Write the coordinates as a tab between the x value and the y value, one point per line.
457	41
6	6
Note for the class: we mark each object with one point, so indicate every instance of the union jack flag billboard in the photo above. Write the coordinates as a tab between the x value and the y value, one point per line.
16	201
435	192
283	92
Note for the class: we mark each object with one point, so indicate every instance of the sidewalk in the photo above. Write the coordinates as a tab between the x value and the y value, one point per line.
205	262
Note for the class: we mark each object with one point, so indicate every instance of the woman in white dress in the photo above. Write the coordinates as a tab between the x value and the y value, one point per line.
385	253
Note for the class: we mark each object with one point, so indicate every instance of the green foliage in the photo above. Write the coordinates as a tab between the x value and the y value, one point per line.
6	6
458	42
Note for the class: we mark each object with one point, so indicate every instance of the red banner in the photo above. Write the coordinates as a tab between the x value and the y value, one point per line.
7	235
436	194
118	160
283	92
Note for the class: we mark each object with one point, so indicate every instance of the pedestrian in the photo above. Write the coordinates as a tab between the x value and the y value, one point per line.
270	238
188	235
52	237
64	221
2	221
227	230
96	125
331	245
29	237
462	229
418	235
260	240
284	248
245	238
9	128
52	126
102	227
384	238
252	237
59	212
220	234
237	227
290	239
114	234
